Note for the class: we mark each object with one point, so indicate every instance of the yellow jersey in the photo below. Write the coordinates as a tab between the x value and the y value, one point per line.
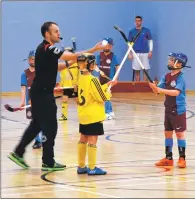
91	98
69	76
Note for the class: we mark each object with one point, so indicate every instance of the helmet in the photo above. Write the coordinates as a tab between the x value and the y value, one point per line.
109	40
31	53
180	58
90	58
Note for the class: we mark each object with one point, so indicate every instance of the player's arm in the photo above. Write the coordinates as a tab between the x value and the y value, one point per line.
23	89
23	95
150	43
161	84
116	63
99	92
73	56
168	92
64	65
160	88
68	56
130	38
180	85
61	83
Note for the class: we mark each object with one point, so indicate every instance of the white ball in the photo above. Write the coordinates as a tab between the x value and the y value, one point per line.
104	42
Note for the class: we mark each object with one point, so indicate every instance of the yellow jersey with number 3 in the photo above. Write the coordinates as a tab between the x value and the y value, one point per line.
91	98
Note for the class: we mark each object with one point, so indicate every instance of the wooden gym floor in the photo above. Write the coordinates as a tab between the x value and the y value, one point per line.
132	143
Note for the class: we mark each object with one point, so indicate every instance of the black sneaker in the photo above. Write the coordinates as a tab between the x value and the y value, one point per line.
37	145
56	167
18	160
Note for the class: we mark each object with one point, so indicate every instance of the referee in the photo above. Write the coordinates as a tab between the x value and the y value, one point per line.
44	109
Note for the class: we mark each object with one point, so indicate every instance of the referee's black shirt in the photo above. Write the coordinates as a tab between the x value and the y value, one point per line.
46	66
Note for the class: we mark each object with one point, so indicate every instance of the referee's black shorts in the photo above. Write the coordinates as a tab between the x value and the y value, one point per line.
70	93
93	129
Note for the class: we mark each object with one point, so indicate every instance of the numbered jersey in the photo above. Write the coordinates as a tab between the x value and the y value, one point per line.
91	98
69	77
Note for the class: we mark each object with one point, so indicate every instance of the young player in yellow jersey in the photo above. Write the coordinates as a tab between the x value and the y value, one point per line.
69	79
91	98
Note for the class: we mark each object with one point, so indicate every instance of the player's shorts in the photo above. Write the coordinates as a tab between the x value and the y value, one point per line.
144	60
92	129
175	122
70	93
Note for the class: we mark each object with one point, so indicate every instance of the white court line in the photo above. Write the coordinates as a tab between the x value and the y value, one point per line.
28	187
154	138
132	185
29	193
86	191
67	188
104	181
143	161
98	193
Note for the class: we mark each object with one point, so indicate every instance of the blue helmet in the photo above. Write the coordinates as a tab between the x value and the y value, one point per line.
182	58
31	53
109	40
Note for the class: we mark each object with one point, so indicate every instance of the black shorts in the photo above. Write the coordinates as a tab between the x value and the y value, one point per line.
92	129
175	122
70	93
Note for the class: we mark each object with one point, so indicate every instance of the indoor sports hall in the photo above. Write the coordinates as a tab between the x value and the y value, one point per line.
134	138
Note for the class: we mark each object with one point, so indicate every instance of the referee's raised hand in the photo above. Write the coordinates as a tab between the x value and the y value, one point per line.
99	46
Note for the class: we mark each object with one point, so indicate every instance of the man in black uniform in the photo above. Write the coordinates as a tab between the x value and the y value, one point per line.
44	109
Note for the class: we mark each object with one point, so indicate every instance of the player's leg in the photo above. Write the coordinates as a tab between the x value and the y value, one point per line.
145	61
107	110
111	111
82	151
180	127
64	105
76	97
30	133
49	128
137	75
181	141
37	144
94	130
136	67
168	160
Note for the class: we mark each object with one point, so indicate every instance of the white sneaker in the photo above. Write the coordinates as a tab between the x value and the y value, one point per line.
112	115
108	116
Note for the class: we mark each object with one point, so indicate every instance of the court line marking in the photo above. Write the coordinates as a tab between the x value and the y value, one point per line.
29	187
132	185
67	188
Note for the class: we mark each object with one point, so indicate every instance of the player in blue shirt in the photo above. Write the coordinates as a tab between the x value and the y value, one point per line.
108	63
143	47
27	78
173	86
